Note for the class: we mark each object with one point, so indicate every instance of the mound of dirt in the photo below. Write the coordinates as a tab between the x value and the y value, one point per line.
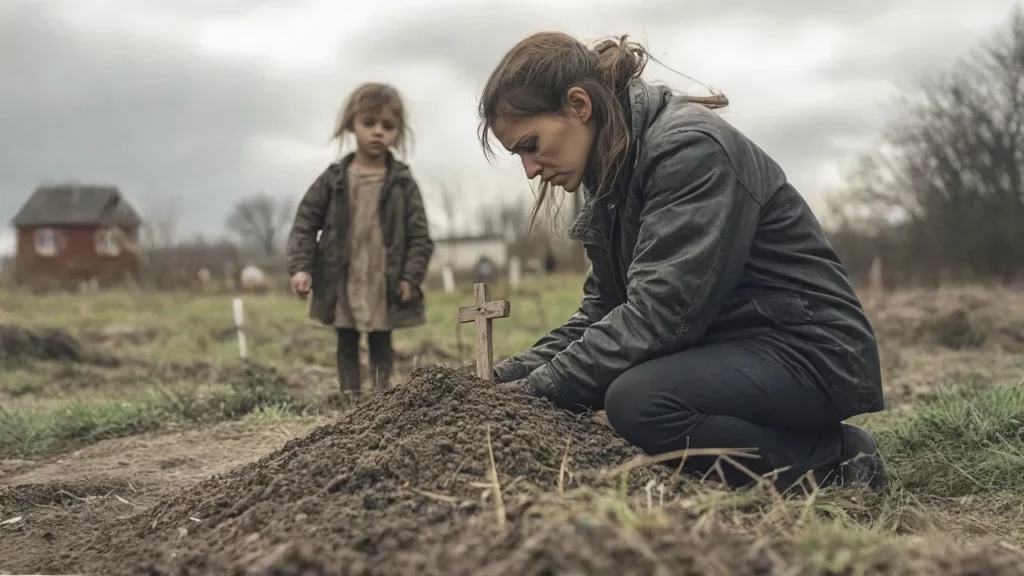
34	518
17	499
255	385
402	485
19	345
376	489
958	319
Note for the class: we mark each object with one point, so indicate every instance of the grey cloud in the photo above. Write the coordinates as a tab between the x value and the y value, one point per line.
918	54
155	121
165	121
802	142
204	9
895	42
470	37
785	13
473	36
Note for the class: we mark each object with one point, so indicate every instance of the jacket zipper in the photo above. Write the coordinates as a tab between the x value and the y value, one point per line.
613	251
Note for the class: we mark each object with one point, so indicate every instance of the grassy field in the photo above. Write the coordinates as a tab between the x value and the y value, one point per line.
180	359
179	405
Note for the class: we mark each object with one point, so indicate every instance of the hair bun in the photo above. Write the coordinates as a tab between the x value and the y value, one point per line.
619	61
609	44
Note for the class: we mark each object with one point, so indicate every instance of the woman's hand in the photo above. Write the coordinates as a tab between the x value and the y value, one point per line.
406	291
522	386
301	284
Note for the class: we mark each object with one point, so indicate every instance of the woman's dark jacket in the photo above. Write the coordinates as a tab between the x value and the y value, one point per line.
705	242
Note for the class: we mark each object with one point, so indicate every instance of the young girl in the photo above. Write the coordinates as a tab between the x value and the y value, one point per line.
366	266
716	314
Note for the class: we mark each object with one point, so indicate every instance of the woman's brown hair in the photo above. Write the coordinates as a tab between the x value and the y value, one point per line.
372	97
534	78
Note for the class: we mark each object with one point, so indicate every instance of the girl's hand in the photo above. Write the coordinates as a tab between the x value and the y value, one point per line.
301	284
405	291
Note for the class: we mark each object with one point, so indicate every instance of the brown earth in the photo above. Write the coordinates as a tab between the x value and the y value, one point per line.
19	345
210	393
113	479
361	480
60	379
963	318
400	485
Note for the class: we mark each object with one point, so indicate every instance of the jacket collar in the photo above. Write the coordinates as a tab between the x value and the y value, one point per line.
395	169
641	104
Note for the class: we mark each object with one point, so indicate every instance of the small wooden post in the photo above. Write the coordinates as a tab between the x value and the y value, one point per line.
448	275
482	312
242	348
515	272
877	285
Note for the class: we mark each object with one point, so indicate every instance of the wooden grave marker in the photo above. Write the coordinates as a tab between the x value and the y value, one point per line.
482	312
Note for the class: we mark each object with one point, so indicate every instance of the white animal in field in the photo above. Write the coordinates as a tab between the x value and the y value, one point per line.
253	278
204	275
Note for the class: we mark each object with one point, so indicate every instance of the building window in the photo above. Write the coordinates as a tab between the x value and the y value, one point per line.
46	242
108	242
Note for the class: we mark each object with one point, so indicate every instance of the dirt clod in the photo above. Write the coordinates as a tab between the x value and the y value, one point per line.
961	319
19	345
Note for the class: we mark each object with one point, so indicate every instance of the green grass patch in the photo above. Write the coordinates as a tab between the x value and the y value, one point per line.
190	327
28	432
967	441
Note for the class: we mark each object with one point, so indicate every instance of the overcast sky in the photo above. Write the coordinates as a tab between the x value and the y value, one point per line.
195	103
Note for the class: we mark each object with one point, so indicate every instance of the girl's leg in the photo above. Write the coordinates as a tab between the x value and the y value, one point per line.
738	395
349	380
381	359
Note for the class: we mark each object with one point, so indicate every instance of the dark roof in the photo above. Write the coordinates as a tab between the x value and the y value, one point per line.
75	204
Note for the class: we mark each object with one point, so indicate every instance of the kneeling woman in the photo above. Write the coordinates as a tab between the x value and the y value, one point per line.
715	313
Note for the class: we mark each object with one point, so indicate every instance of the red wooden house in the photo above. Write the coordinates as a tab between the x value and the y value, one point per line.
72	233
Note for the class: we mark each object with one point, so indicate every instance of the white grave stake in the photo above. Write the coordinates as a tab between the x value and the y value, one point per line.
449	279
242	352
515	272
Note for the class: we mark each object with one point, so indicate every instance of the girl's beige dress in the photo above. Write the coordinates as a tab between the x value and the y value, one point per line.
362	296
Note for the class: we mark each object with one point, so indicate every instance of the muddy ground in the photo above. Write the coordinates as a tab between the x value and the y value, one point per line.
954	319
404	467
403	485
20	345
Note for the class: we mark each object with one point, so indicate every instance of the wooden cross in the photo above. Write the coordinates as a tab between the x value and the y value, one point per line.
482	312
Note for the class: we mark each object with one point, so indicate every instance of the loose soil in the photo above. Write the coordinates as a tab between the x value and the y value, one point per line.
405	467
19	345
400	485
208	394
954	319
114	479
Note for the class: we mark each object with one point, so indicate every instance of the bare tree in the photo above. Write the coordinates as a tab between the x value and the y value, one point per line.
451	194
159	261
946	185
511	221
160	223
261	220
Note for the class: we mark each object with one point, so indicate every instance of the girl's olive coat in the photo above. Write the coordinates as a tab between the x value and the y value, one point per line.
324	209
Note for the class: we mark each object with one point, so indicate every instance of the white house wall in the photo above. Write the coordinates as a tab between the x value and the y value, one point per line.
463	255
